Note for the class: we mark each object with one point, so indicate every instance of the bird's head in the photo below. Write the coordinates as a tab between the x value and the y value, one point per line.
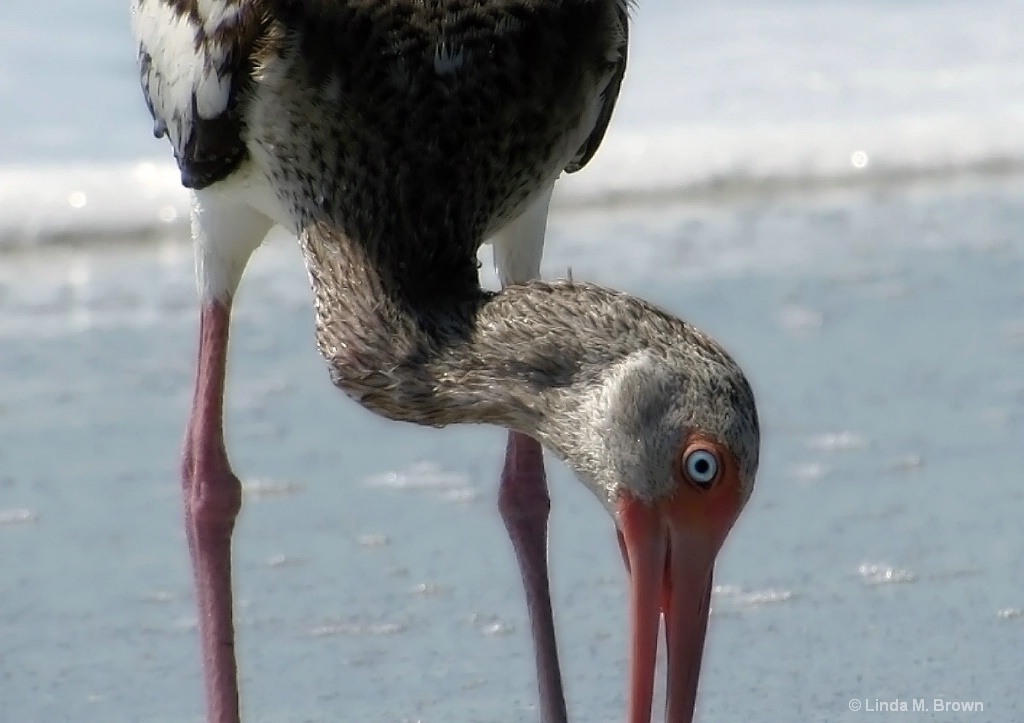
668	438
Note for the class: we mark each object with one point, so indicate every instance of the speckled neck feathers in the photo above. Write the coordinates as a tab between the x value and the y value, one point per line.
395	136
603	379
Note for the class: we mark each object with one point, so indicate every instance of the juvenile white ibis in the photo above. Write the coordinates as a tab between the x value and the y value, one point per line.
393	137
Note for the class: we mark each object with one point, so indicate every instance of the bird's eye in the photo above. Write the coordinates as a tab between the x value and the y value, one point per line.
701	467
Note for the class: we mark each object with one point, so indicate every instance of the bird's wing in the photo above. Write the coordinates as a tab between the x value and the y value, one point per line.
610	94
195	62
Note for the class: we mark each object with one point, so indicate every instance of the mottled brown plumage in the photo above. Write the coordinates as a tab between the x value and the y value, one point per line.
533	357
436	122
393	137
397	172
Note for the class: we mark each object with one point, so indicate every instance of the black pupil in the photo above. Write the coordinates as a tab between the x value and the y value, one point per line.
702	466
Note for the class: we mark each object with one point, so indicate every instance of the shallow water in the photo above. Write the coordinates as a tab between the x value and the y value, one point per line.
880	557
69	83
717	95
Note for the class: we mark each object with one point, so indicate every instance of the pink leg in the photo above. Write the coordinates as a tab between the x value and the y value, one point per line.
213	497
524	504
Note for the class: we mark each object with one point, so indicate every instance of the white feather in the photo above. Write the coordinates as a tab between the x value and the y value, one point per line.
217	14
213	92
447	59
519	244
182	70
225	232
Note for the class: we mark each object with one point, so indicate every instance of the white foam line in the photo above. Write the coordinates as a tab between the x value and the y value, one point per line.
143	200
49	204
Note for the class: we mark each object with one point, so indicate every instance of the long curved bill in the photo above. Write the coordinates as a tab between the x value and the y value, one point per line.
670	558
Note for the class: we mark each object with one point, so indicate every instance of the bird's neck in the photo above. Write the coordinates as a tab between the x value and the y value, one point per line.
420	342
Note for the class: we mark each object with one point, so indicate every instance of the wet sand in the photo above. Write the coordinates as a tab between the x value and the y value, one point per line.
880	558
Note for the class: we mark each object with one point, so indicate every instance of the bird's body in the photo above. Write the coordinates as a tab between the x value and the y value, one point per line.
365	101
393	137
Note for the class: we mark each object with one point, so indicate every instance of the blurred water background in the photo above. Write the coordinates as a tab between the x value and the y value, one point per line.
832	188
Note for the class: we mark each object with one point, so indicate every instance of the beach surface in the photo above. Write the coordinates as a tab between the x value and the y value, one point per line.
880	557
834	189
